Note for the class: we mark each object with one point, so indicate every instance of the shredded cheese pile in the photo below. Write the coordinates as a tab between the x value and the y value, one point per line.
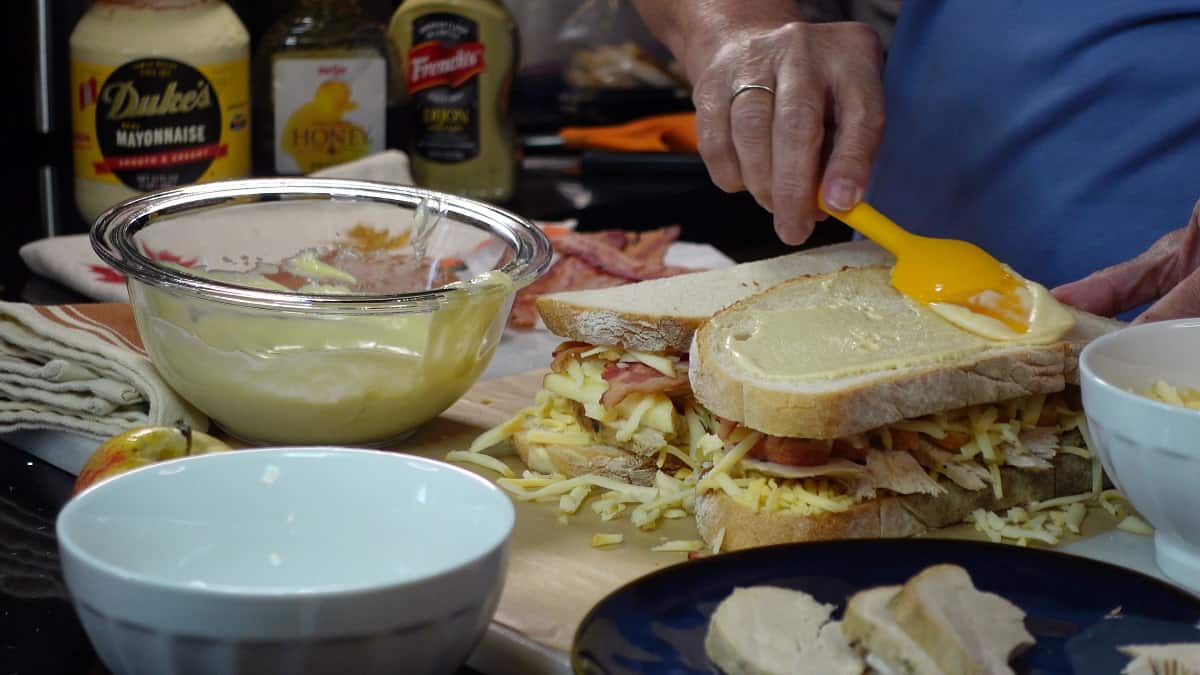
1166	393
1050	520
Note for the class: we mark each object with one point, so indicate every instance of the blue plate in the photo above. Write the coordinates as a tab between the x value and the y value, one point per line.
656	624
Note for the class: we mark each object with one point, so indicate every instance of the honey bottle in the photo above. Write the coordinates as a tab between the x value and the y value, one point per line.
457	59
322	74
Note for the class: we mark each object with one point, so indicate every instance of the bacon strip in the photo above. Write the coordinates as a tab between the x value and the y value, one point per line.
617	239
610	260
953	440
600	259
652	246
567	273
627	378
564	352
780	449
792	451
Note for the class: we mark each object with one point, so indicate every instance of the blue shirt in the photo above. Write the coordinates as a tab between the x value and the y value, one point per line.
1062	136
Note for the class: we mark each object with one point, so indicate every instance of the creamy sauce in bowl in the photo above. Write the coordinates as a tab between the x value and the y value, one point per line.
290	377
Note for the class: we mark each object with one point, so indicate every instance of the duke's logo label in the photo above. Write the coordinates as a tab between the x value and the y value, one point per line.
155	117
431	64
157	122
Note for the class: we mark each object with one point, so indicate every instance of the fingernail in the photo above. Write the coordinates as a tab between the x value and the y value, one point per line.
842	194
791	233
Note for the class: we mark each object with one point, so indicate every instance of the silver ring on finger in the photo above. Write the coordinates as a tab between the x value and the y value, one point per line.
743	88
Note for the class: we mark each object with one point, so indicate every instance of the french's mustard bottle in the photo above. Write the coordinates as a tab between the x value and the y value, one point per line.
160	93
457	58
324	70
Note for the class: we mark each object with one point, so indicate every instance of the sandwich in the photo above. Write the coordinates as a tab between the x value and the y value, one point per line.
682	397
846	409
935	623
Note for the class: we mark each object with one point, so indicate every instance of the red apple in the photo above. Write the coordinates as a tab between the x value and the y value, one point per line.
141	446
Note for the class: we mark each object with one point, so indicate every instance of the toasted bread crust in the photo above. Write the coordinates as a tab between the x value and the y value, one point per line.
885	399
641	332
886	516
881	517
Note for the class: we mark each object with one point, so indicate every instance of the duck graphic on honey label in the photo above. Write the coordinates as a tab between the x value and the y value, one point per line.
327	110
317	135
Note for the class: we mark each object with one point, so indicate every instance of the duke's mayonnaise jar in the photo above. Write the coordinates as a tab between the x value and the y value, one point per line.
160	97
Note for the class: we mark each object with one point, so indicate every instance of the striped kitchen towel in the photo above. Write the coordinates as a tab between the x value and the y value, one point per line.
81	368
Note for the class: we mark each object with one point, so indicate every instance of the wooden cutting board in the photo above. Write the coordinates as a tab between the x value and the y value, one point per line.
555	576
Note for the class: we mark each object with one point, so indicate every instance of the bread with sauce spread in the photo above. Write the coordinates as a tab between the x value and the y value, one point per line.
661	314
880	396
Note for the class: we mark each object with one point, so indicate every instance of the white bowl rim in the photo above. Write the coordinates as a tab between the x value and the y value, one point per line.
1124	394
250	593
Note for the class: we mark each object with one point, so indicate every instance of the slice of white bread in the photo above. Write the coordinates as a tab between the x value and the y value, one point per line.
966	631
661	314
886	515
767	630
859	385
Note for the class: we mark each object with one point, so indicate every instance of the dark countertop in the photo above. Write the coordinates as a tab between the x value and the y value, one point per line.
39	632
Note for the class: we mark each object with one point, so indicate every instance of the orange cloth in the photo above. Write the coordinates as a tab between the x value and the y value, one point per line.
675	132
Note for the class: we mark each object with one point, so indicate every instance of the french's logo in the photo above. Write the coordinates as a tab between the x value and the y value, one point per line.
430	64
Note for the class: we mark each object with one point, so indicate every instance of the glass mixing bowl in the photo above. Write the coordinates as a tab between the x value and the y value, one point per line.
319	311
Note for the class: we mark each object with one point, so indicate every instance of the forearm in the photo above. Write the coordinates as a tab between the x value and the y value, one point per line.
690	26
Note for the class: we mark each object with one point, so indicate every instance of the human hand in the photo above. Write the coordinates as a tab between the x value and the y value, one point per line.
827	102
1167	273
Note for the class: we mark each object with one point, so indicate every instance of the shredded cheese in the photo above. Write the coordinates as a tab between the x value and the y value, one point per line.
658	362
570	502
1060	501
480	459
600	540
930	428
568	410
727	462
548	437
1135	524
1185	397
1075	450
501	432
679	546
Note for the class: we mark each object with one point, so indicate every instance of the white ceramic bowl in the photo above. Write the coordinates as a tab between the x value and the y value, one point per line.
286	560
1150	450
